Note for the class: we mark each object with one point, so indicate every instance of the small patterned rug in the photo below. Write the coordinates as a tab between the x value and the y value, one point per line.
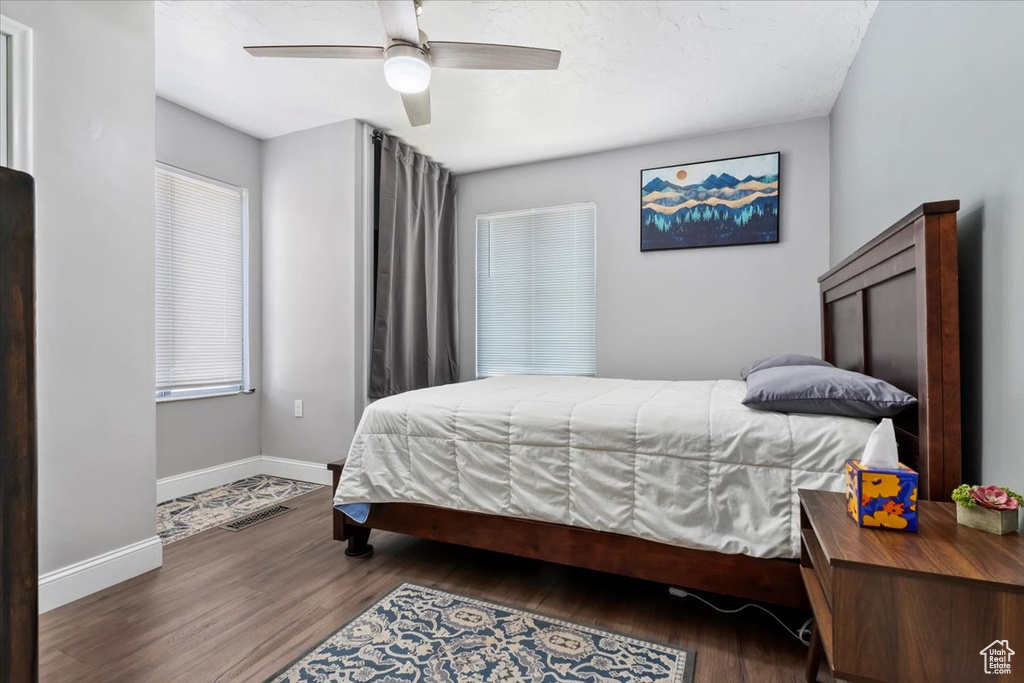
182	517
421	634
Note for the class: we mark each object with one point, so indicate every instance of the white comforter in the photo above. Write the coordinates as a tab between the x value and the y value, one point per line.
683	463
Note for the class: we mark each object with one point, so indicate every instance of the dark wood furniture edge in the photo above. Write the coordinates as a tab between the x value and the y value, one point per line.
823	632
775	581
926	209
900	571
938	587
835	561
357	535
924	361
822	613
19	575
814	653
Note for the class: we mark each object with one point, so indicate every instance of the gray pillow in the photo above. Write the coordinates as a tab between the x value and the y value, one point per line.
781	360
824	391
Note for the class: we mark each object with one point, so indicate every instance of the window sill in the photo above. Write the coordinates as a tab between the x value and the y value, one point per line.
210	394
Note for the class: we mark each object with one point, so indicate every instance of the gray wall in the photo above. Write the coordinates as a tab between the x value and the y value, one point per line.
198	433
933	108
93	163
683	314
312	296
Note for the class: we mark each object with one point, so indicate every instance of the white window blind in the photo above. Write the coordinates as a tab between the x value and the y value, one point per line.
5	129
201	228
535	292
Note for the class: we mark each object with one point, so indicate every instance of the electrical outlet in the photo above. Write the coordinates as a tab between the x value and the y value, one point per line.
298	408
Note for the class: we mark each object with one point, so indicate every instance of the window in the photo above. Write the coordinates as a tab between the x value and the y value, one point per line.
15	95
201	274
535	292
5	128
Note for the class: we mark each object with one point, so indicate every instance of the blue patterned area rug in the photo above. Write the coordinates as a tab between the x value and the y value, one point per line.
421	634
183	517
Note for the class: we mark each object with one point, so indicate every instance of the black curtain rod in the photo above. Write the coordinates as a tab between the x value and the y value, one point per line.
377	137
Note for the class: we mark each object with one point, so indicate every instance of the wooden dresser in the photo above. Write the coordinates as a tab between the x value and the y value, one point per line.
896	606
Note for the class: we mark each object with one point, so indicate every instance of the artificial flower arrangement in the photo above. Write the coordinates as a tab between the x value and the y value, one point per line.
989	508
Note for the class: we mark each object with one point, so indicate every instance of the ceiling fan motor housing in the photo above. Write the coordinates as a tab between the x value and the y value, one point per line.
407	67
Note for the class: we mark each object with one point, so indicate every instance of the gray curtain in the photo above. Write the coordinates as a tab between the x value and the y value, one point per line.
415	327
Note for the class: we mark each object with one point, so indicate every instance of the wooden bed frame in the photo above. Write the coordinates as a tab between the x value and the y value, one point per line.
889	310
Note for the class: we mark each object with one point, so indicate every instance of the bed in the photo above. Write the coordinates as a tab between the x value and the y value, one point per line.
675	482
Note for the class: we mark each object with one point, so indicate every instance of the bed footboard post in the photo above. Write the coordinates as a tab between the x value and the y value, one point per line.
357	541
338	518
344	529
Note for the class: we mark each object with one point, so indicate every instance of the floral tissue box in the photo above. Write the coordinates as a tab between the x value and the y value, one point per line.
882	498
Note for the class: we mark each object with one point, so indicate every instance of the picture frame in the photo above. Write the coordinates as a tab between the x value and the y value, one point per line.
716	203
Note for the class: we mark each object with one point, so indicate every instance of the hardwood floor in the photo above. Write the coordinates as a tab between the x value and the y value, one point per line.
238	606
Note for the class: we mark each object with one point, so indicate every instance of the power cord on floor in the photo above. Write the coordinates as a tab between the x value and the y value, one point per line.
803	634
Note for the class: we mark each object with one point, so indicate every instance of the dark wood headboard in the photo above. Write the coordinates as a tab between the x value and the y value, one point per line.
890	310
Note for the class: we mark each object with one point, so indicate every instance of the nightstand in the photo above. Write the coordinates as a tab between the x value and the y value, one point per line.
898	606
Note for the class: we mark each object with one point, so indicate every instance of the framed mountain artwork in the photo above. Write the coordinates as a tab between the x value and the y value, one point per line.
710	203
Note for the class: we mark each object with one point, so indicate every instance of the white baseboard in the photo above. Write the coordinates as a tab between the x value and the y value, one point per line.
188	483
78	580
315	472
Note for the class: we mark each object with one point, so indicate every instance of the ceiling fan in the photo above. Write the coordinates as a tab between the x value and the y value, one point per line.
408	56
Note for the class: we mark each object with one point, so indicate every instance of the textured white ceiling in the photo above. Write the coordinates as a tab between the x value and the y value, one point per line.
631	72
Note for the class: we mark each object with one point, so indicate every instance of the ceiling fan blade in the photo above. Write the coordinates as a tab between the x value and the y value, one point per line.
317	51
491	56
417	107
399	17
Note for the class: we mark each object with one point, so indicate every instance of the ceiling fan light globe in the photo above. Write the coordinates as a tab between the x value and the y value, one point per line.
407	73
